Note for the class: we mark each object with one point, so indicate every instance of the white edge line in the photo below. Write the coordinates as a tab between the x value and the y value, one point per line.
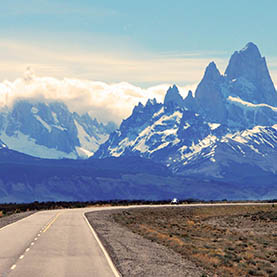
17	221
109	260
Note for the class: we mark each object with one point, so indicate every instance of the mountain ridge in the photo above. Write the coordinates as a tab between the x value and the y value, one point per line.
27	179
219	144
182	132
50	130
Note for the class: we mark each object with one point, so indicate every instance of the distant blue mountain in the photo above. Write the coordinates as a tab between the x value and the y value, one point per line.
26	179
50	130
218	143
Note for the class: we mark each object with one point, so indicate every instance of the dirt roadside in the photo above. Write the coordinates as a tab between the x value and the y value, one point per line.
226	240
6	220
136	256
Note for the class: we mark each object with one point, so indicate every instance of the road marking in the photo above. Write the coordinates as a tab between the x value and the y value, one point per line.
49	225
27	250
32	243
21	257
36	238
13	267
38	235
107	256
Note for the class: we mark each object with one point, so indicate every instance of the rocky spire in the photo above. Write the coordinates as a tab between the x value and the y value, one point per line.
210	79
208	95
248	64
211	73
173	98
189	101
245	63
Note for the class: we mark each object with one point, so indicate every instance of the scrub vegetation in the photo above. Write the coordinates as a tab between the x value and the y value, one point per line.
223	240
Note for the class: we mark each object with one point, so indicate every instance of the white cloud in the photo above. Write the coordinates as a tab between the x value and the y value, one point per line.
109	100
103	101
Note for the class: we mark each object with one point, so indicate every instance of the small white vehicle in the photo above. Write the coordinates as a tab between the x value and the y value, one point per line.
174	201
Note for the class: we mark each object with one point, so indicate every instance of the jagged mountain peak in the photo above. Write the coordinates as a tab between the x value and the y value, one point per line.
189	94
50	130
189	97
151	102
245	63
173	98
212	72
248	71
208	96
252	50
189	101
138	108
141	109
213	133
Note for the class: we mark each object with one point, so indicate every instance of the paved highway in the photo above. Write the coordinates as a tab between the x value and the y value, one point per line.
56	243
52	243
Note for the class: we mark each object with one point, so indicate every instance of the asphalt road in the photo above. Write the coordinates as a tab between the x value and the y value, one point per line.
56	243
52	243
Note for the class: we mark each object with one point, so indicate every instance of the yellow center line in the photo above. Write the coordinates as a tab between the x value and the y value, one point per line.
49	225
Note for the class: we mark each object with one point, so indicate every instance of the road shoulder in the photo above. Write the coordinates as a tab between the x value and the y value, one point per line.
7	220
134	255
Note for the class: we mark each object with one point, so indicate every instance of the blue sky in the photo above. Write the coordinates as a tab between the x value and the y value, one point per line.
141	42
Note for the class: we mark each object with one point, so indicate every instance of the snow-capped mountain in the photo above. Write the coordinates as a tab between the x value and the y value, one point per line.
212	156
241	98
231	121
50	130
157	131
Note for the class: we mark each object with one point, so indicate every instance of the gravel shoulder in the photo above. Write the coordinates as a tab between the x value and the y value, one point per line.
6	220
134	255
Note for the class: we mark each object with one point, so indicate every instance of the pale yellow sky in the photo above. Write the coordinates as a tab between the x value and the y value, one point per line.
99	82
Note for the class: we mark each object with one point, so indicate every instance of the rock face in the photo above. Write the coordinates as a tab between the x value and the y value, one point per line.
241	98
50	130
249	153
173	99
248	67
208	96
230	124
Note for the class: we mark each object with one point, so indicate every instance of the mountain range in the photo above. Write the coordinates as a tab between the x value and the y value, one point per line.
228	125
219	142
50	130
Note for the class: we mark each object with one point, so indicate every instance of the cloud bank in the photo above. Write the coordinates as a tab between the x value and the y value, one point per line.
106	102
106	99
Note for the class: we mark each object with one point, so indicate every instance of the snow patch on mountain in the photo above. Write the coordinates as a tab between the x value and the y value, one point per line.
245	104
44	124
50	130
23	143
213	126
87	141
230	124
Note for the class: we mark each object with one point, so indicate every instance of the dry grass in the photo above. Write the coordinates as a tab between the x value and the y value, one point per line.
227	241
